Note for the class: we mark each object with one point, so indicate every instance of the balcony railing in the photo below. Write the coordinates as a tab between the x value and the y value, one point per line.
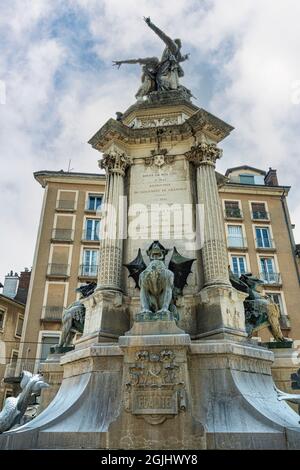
52	313
284	322
264	244
88	270
236	242
260	215
65	205
13	371
271	278
59	270
233	213
90	235
62	234
89	208
10	370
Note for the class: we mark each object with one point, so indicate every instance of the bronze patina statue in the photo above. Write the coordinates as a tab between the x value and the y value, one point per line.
159	285
260	310
73	319
160	75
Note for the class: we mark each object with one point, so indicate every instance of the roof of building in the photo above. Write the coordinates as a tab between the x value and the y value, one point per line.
244	167
11	300
43	175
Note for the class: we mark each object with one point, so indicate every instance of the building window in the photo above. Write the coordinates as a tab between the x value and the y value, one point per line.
13	361
247	179
47	343
277	299
239	265
92	227
19	326
232	209
235	236
94	202
263	238
259	211
2	317
90	263
268	271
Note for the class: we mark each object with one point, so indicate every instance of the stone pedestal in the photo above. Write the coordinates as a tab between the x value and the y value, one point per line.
53	375
286	362
222	313
106	318
163	392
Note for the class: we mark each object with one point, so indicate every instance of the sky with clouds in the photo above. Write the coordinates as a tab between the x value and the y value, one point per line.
58	86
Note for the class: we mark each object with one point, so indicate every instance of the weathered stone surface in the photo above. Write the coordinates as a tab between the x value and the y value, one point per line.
206	394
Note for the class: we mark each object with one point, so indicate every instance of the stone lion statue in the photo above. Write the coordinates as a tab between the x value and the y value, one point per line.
73	319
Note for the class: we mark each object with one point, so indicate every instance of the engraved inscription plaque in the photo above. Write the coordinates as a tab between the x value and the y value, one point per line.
155	402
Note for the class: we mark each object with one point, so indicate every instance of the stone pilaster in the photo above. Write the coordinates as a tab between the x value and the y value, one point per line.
214	253
115	164
221	313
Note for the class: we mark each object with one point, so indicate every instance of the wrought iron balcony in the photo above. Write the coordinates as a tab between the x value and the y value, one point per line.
260	215
90	235
52	313
233	213
62	234
88	270
65	205
58	270
265	244
236	242
270	278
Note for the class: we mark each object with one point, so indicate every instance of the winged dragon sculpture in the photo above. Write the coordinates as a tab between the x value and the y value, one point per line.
159	285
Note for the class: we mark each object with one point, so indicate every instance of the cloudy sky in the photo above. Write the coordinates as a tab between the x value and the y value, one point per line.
57	87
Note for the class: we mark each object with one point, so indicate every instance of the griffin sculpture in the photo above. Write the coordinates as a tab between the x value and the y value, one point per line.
160	286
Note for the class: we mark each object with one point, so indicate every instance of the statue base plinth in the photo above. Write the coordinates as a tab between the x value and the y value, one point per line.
222	313
163	392
157	327
106	318
58	350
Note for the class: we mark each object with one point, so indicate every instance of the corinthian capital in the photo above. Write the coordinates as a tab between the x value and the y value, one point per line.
203	154
115	161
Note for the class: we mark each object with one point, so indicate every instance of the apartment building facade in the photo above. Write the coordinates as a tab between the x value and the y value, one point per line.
260	239
66	257
256	222
12	310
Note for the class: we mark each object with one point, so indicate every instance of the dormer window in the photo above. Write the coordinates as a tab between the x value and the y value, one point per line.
247	179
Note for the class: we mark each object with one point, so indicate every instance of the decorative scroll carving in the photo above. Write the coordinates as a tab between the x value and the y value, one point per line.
115	162
203	154
154	390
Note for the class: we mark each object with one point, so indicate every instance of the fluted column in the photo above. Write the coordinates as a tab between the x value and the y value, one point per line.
214	252
115	164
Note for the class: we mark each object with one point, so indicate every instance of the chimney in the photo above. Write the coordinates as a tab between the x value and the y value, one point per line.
271	178
10	284
23	286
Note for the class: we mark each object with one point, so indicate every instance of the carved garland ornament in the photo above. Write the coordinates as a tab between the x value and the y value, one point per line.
203	154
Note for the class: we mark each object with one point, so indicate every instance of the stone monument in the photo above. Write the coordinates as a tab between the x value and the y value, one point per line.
164	361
